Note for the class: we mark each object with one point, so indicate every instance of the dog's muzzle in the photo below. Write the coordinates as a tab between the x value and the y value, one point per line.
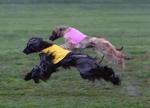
25	51
51	38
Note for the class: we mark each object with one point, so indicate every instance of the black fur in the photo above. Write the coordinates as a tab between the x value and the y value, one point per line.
35	44
54	37
43	70
88	67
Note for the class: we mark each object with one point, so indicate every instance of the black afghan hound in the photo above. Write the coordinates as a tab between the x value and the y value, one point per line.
53	56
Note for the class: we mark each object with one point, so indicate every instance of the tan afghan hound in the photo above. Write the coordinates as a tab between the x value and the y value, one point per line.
75	39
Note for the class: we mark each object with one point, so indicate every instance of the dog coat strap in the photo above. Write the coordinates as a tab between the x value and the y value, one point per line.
58	53
74	35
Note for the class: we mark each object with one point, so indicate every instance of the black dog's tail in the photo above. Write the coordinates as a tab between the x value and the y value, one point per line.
105	73
109	75
90	69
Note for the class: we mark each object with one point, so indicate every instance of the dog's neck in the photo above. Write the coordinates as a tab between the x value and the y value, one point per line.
45	45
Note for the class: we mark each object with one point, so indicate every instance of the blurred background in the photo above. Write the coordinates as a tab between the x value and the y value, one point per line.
123	22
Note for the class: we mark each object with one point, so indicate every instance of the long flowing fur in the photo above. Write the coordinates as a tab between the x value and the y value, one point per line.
43	70
88	67
101	46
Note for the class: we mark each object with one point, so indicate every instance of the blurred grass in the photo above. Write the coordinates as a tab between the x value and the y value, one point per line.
124	23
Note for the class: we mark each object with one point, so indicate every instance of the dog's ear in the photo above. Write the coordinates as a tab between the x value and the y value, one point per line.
41	55
49	58
61	29
36	38
46	59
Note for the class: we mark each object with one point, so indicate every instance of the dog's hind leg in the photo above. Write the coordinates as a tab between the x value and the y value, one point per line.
91	70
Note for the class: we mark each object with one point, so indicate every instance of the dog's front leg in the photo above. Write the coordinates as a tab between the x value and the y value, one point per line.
33	74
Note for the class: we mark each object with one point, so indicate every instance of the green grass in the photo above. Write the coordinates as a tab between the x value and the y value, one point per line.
124	24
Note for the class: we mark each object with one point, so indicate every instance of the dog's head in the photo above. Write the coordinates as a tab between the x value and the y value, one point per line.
35	44
58	32
109	75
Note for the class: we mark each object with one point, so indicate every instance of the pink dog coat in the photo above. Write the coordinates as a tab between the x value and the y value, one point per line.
74	36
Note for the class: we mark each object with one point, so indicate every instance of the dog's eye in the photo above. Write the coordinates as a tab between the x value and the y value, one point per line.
61	29
53	33
29	45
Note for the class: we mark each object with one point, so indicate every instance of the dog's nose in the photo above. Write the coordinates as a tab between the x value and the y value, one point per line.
51	38
25	52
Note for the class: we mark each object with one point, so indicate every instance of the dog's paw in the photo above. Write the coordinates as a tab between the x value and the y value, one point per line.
36	80
116	80
28	77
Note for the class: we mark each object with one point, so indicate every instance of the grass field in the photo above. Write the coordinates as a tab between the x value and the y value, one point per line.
123	23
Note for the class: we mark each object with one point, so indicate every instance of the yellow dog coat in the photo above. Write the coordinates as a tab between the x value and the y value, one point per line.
58	52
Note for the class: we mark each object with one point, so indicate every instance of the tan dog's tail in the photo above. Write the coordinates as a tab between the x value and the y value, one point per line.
104	47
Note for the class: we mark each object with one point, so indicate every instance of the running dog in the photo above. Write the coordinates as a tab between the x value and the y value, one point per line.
75	39
53	56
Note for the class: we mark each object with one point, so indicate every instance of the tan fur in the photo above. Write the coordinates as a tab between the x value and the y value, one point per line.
101	46
59	30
